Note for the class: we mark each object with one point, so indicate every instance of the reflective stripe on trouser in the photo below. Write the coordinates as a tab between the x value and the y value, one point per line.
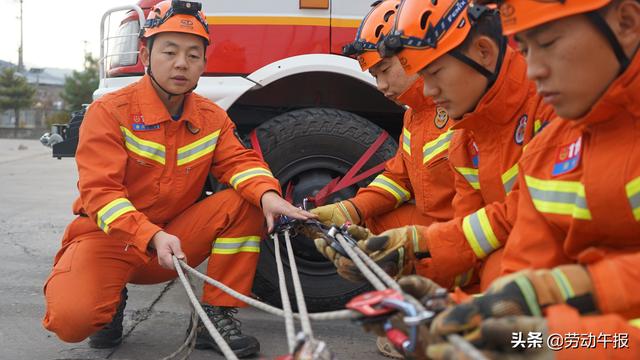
559	197
84	287
471	174
401	194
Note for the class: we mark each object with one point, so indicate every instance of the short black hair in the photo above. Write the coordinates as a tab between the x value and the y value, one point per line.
489	25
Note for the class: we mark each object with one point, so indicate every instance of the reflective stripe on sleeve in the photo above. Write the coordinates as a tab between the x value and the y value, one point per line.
401	194
633	193
463	279
471	174
479	234
509	178
245	175
112	211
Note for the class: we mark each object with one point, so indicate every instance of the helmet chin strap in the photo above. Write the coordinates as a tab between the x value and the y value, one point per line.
601	24
491	76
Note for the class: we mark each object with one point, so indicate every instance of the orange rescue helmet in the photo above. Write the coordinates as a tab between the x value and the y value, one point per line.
176	16
372	30
426	30
521	15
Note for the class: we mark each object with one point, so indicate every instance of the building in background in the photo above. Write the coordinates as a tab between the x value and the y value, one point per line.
49	83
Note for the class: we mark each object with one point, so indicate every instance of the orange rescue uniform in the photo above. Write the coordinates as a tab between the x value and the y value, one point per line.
419	171
485	148
580	199
141	172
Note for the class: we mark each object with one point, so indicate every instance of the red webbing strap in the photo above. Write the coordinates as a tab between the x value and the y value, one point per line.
350	177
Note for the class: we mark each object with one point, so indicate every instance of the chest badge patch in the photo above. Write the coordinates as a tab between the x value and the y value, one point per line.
143	127
441	118
568	158
518	135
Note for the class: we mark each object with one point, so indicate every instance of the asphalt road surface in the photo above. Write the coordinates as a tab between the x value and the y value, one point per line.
36	193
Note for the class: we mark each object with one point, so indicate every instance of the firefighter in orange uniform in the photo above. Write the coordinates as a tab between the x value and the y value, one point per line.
416	186
467	68
144	154
419	171
579	207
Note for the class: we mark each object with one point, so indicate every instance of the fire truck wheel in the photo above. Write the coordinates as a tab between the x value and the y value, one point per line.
306	149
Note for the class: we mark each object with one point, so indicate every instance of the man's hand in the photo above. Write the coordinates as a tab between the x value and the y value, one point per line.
392	251
338	213
273	205
166	245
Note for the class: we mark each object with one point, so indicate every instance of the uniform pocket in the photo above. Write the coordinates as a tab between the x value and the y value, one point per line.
192	175
438	188
142	180
63	263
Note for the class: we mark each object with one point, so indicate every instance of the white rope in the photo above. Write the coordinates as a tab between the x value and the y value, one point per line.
364	269
373	272
295	277
224	347
330	315
284	295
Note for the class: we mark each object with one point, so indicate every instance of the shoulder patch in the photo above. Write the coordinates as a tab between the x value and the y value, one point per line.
441	118
567	158
518	135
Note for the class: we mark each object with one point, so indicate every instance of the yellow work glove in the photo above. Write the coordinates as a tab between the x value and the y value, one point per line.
501	340
392	251
338	213
524	293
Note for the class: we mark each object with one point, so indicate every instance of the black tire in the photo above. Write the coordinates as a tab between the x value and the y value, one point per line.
310	147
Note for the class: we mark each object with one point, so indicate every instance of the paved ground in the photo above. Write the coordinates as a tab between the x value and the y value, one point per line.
36	193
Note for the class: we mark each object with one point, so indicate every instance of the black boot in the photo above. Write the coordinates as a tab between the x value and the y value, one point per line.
111	335
229	327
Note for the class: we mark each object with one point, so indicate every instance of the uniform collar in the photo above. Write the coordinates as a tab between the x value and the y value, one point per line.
414	97
500	103
622	96
154	111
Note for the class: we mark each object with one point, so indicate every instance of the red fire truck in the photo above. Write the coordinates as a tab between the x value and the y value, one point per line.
275	66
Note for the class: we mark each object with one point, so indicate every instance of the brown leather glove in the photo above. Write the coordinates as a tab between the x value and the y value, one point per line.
523	293
393	251
338	213
495	340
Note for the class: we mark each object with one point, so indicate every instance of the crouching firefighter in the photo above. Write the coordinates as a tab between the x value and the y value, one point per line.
144	154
